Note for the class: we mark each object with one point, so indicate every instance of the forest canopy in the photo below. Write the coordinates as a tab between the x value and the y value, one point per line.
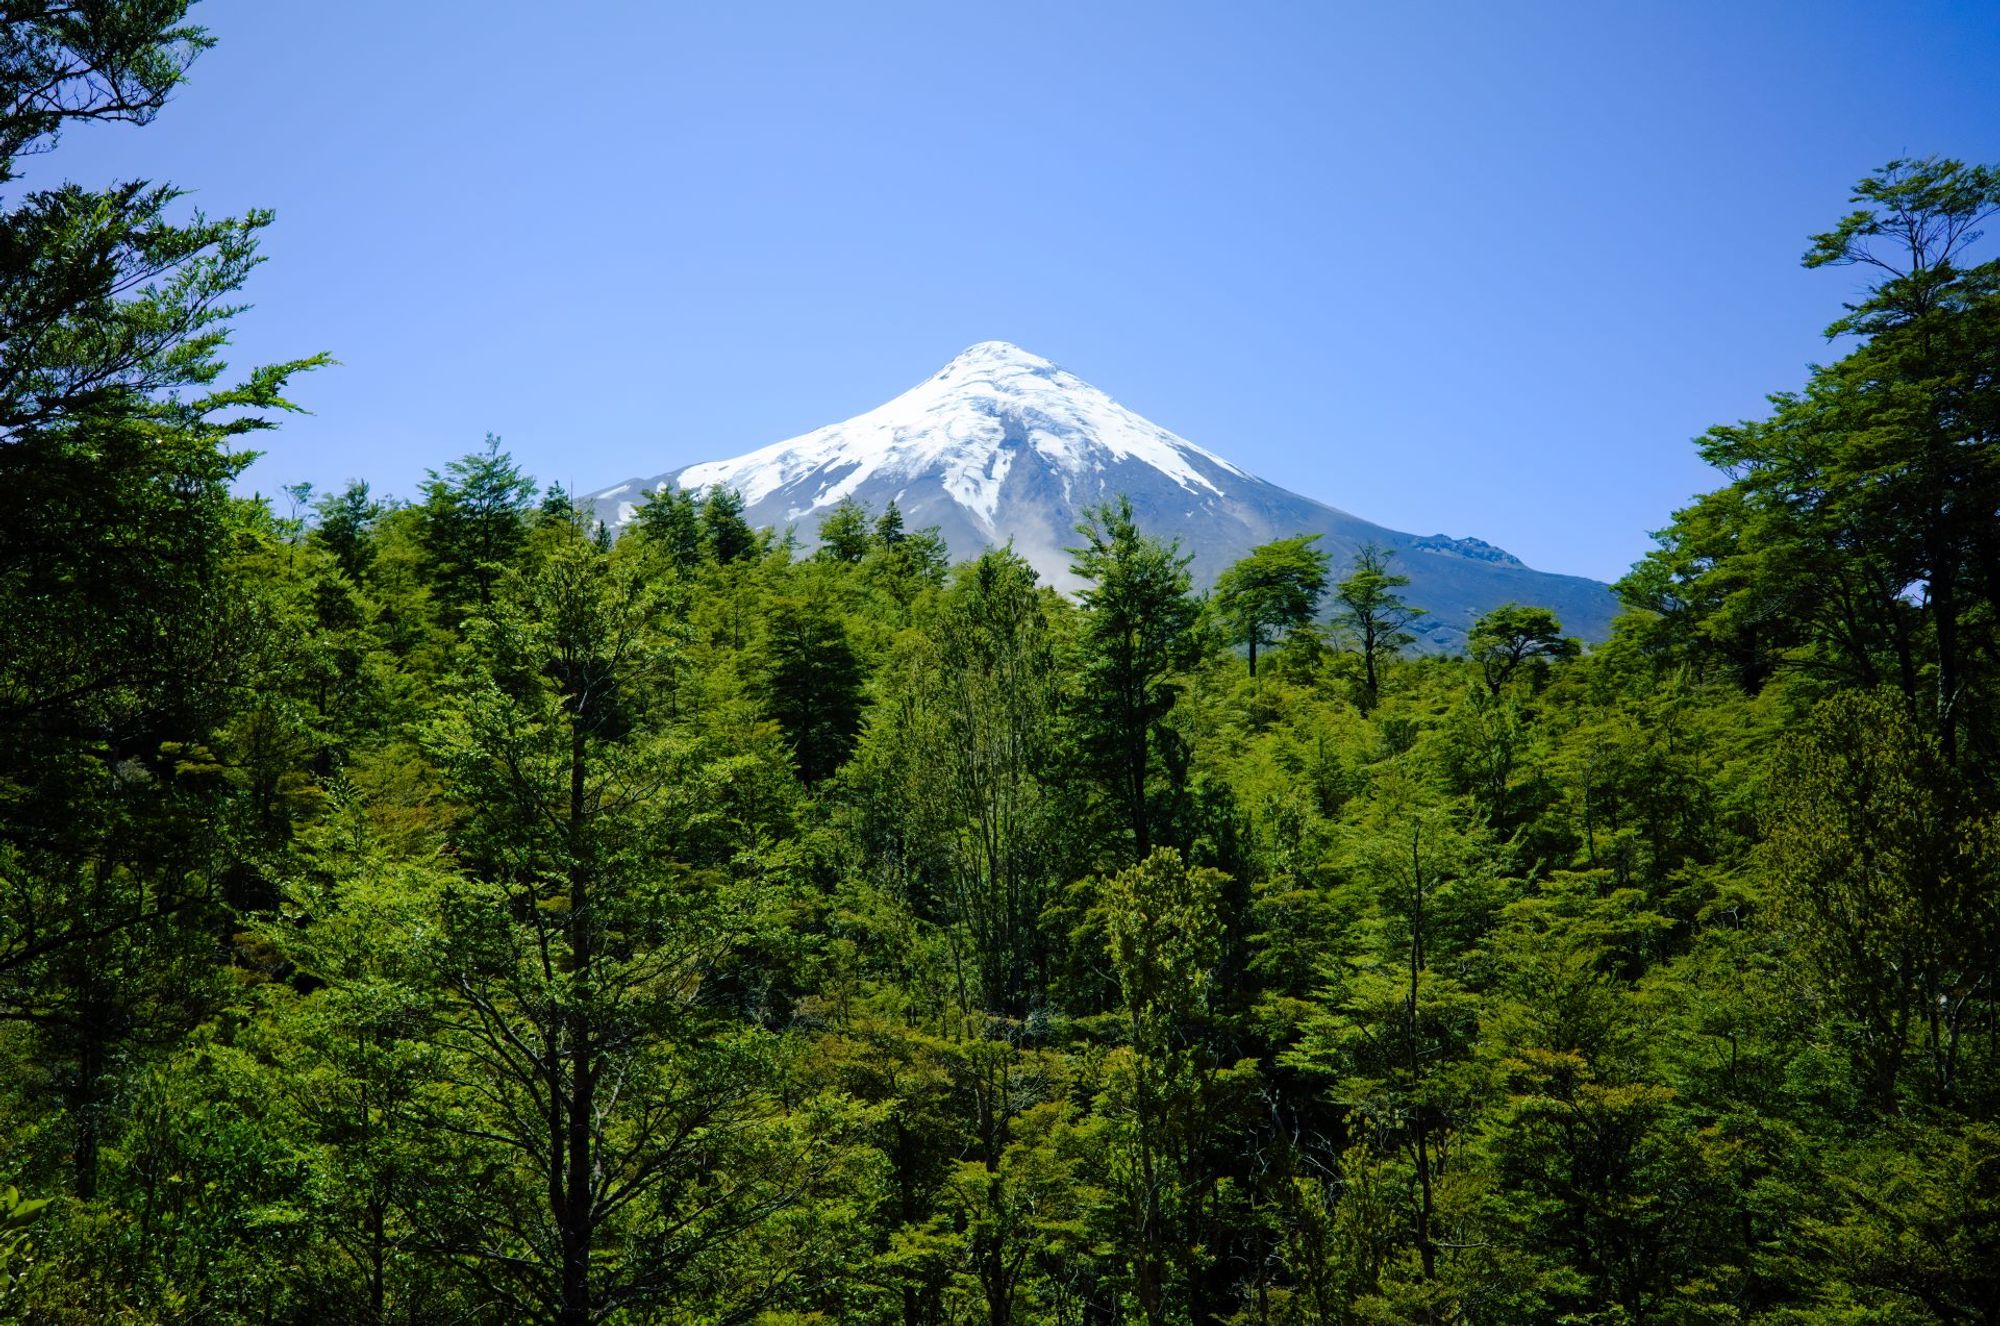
436	910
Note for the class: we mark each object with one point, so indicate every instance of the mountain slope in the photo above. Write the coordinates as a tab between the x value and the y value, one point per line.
1003	445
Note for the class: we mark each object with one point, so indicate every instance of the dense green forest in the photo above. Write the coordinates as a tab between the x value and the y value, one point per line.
432	911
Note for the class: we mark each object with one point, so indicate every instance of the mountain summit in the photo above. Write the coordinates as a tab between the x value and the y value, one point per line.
1000	444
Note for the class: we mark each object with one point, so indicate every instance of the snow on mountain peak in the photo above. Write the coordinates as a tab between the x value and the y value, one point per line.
963	427
996	355
1002	448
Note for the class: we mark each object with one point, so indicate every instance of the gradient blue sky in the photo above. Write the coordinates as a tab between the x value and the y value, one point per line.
1466	268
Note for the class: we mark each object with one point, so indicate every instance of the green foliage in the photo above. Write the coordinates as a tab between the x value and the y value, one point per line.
963	767
474	522
906	561
1913	1231
17	1218
345	527
1512	636
1881	881
889	529
1138	637
1854	544
577	951
436	912
1169	1095
1374	613
843	532
124	630
726	536
811	685
670	520
1275	590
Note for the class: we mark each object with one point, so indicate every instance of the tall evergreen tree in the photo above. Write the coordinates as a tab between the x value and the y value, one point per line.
474	523
811	685
670	520
1138	636
345	524
889	528
725	533
124	629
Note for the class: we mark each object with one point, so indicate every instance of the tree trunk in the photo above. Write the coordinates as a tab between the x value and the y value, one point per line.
576	1216
1420	1126
84	1098
377	1257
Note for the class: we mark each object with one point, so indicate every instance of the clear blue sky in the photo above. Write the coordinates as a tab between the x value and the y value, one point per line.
1469	268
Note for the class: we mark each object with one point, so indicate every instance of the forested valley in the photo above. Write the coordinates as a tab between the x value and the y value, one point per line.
435	911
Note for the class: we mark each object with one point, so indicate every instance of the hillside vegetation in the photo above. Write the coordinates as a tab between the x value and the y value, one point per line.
432	911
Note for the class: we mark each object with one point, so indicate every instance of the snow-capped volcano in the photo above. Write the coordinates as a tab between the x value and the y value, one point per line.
964	428
1001	445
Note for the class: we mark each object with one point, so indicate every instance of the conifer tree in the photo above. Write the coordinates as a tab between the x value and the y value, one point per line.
889	528
725	534
811	685
670	520
345	523
474	523
1138	635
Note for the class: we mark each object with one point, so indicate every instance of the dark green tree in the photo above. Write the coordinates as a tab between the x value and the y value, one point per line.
843	533
1276	589
557	506
889	529
124	629
475	520
1879	883
1138	636
811	685
908	562
1856	544
725	533
670	520
345	525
